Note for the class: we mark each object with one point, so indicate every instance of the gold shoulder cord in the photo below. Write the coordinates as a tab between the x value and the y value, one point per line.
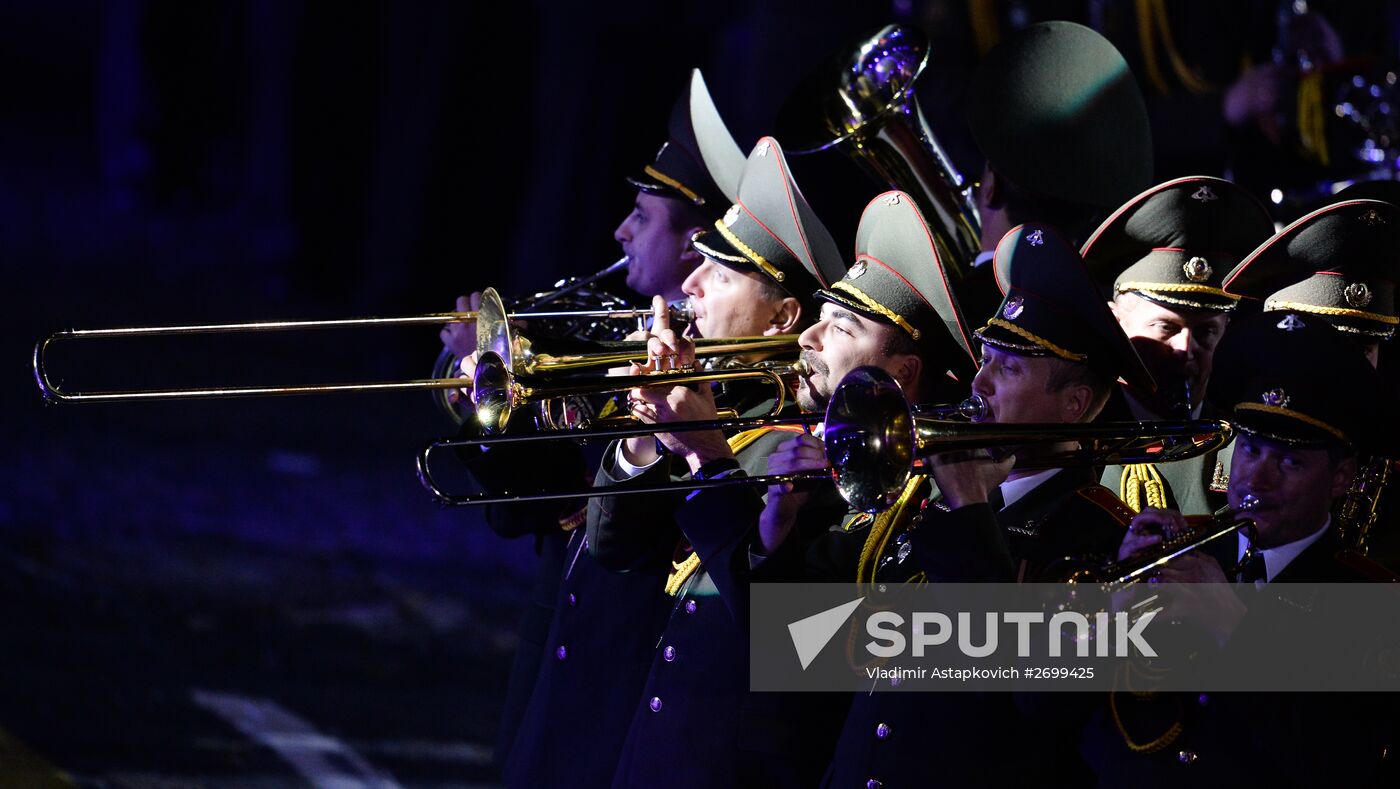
1167	738
1142	483
883	529
682	570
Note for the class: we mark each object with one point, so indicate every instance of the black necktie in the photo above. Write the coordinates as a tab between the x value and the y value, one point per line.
1254	569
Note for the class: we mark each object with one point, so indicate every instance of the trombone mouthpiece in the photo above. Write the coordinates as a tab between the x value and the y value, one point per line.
800	367
974	408
682	311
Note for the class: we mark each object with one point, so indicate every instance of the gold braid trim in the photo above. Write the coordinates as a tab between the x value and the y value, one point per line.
674	184
1291	414
706	249
682	570
1167	738
1038	340
759	260
1139	481
875	306
574	521
883	529
1341	312
1173	287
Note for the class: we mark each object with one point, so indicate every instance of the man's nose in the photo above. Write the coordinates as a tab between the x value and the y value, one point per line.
1258	477
1181	342
981	382
694	283
811	338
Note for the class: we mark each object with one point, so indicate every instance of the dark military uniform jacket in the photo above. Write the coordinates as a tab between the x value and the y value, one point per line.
1254	739
982	739
548	524
595	657
695	723
582	620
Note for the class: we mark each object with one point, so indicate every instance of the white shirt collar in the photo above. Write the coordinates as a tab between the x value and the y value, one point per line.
983	257
1016	489
1275	559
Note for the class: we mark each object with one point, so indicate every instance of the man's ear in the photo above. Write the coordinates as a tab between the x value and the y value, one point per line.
992	192
907	368
1075	401
1342	477
1117	311
786	314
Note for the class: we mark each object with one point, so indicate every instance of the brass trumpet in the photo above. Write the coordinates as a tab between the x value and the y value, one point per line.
1225	522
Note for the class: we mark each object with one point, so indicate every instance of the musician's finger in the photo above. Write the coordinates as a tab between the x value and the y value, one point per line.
660	315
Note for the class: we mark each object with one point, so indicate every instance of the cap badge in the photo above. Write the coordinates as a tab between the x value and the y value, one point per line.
1197	269
1204	194
1357	294
763	148
1036	238
1291	322
856	270
892	200
731	216
1014	306
1276	398
1372	218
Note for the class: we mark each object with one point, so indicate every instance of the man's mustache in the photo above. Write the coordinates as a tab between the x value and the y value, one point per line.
814	364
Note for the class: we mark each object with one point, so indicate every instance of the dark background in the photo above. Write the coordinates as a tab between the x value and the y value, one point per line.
164	161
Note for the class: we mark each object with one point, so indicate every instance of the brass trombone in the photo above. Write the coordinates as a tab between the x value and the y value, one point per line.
510	375
54	392
873	440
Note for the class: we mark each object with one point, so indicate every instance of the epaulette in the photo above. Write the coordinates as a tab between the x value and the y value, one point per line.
1104	499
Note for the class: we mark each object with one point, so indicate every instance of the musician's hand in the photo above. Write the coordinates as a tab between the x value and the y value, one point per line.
639	450
666	348
662	404
1148	528
1191	568
968	477
463	395
460	336
803	453
1201	595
